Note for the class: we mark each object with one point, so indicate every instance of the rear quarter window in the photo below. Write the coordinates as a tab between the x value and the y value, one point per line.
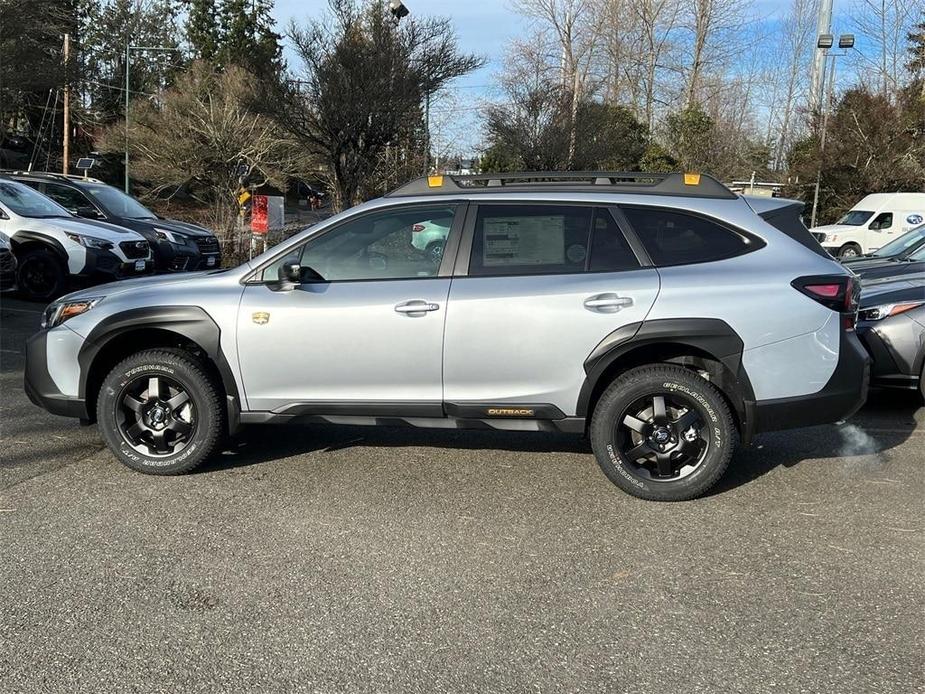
679	238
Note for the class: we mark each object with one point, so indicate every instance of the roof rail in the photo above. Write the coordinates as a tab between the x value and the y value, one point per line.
637	182
50	174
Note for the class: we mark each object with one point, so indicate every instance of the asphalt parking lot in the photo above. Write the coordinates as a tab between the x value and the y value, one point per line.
345	559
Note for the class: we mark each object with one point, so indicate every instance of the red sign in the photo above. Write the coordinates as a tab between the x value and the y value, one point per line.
259	215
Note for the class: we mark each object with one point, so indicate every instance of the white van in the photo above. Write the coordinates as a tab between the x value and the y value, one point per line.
875	221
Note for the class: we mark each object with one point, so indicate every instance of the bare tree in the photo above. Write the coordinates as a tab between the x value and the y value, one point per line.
197	135
577	26
657	21
884	24
797	44
708	21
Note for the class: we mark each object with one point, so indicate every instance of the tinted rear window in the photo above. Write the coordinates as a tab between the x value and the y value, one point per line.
677	238
787	220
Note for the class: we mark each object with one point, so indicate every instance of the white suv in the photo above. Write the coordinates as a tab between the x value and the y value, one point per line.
661	314
53	247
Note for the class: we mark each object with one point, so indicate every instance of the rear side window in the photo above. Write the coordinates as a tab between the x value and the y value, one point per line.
547	239
677	238
787	220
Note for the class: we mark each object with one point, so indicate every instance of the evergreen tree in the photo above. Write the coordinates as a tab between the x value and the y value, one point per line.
248	39
202	29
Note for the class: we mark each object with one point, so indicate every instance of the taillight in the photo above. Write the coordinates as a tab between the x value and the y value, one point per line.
418	227
837	292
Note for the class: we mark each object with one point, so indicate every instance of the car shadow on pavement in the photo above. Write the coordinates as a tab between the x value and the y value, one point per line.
886	421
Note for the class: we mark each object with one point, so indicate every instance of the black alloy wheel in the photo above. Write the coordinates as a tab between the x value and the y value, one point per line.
663	436
156	416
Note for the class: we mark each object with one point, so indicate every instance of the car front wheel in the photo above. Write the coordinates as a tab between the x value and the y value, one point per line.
663	433
160	412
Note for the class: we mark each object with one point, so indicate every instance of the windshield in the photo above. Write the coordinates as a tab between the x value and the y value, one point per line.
25	202
855	218
908	240
917	255
118	204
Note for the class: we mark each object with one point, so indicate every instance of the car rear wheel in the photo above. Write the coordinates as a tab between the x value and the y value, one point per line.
849	250
160	412
435	251
42	275
663	433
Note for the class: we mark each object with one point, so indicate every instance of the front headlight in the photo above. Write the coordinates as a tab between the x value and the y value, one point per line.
61	311
90	241
172	236
886	310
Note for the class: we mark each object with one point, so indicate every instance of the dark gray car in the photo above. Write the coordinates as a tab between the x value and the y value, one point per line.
891	325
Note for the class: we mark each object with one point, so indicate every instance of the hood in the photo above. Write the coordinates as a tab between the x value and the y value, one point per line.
890	271
181	227
87	227
836	228
892	292
149	282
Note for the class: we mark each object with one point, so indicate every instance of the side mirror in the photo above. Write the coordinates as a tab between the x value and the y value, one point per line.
290	276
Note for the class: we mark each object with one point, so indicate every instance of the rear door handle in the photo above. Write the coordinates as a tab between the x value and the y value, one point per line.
416	306
607	303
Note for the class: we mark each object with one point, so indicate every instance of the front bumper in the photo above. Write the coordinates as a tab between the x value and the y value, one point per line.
841	397
173	258
104	265
39	385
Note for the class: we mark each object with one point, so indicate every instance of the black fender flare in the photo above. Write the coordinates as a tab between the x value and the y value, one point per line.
191	322
712	336
20	238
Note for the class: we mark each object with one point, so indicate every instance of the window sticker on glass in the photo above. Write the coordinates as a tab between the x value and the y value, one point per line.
524	241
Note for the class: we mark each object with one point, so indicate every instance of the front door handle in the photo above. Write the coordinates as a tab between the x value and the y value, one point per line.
416	307
607	303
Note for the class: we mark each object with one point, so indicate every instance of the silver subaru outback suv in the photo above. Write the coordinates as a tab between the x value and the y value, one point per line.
660	314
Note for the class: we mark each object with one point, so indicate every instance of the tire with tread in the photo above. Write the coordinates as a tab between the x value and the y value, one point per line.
655	379
183	368
853	247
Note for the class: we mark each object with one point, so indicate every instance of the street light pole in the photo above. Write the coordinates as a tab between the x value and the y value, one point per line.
845	41
128	59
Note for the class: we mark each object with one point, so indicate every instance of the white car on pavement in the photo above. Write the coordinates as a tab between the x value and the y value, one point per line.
54	248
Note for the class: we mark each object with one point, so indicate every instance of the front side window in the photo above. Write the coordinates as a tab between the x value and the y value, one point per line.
884	220
406	243
676	238
66	197
25	202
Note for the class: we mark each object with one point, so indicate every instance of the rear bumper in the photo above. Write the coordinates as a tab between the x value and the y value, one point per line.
39	385
841	397
897	347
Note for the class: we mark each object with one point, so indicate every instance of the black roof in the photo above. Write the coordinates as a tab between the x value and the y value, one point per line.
678	184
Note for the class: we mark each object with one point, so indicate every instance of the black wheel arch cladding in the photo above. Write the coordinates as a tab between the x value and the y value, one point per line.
702	336
191	323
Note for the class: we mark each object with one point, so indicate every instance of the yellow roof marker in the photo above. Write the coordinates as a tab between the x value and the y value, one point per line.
692	179
435	181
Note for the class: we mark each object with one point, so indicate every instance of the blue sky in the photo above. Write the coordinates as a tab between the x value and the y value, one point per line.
485	27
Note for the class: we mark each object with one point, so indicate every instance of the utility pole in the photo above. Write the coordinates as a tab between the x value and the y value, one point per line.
817	74
67	103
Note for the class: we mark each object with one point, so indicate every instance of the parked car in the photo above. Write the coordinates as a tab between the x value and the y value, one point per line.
897	249
891	325
178	246
430	236
907	266
53	247
7	263
875	221
660	313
